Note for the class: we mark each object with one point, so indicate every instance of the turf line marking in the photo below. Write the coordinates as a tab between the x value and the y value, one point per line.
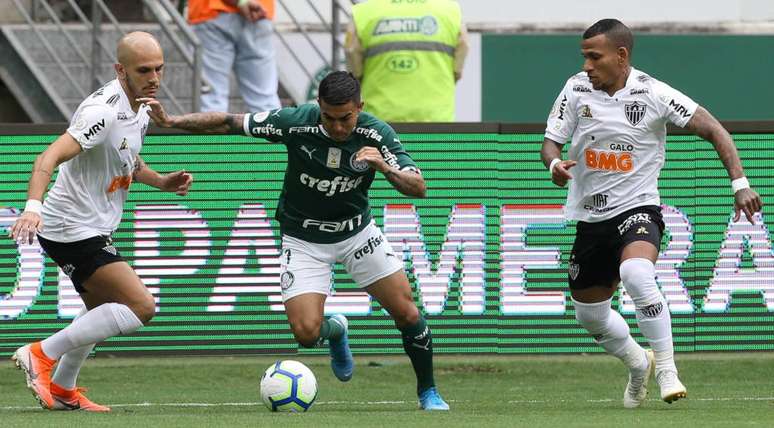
374	403
608	400
257	403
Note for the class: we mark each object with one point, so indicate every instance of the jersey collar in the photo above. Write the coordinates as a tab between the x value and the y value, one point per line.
630	80
323	131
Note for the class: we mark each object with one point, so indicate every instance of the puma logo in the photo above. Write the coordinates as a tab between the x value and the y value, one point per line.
426	345
423	335
307	151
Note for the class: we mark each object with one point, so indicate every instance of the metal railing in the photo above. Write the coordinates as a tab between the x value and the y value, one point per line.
49	49
175	28
334	27
165	14
192	55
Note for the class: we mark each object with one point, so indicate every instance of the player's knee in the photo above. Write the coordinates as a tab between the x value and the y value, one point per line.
307	340
639	278
145	310
592	316
306	332
637	271
406	316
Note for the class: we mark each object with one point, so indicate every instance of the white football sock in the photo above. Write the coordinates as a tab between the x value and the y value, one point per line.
639	279
70	364
611	332
98	324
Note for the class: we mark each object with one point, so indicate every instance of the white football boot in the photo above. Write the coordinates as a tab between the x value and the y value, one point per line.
671	387
637	389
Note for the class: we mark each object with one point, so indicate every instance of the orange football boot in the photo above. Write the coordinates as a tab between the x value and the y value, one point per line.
73	399
37	368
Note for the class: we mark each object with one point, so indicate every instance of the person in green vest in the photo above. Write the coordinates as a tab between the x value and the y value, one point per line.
408	55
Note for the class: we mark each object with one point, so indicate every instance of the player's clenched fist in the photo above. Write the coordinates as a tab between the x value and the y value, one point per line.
373	157
156	112
560	173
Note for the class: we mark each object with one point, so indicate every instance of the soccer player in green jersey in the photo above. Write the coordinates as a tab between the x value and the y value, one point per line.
334	151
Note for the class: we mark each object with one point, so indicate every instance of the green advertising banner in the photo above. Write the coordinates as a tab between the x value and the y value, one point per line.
486	251
521	74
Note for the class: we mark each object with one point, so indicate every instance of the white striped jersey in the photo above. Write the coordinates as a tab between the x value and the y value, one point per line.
618	142
88	196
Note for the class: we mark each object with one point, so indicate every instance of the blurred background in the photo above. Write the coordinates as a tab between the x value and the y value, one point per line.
486	251
55	52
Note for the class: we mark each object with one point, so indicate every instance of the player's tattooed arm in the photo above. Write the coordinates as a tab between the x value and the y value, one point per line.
208	122
30	222
178	182
409	182
141	173
61	150
704	125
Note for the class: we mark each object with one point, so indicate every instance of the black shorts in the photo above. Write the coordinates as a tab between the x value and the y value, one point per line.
80	259
596	253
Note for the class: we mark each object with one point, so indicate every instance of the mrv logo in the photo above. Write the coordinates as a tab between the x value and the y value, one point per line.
94	129
679	108
329	187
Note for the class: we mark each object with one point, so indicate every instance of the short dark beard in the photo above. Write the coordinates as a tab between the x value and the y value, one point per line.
134	93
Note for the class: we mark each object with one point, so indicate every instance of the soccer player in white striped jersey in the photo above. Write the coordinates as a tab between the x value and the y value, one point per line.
615	118
98	159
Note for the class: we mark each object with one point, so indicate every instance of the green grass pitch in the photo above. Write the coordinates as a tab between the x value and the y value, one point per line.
724	390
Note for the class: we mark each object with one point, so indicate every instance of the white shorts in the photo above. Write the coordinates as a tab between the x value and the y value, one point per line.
307	267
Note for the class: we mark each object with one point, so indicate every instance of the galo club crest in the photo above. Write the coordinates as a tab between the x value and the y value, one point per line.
635	112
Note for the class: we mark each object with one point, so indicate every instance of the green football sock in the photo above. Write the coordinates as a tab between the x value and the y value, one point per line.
418	344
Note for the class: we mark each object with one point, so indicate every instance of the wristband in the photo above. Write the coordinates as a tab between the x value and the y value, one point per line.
739	184
553	164
33	206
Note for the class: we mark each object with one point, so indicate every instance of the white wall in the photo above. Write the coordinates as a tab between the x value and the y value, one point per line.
584	12
588	11
550	12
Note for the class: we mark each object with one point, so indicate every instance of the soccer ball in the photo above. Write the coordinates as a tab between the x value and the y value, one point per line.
288	386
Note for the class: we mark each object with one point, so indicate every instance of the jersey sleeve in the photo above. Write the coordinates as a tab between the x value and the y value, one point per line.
393	152
675	106
270	125
562	119
90	123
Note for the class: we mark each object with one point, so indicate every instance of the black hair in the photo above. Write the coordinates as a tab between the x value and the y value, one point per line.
338	88
618	33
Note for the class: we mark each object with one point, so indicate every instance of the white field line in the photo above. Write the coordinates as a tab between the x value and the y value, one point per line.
375	403
610	400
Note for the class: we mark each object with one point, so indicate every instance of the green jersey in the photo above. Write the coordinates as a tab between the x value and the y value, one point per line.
324	196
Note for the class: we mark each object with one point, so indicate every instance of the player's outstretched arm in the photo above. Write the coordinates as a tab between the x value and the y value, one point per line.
410	183
560	170
29	223
178	181
209	122
707	127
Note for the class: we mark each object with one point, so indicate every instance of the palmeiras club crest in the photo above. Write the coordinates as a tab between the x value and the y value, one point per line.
635	112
